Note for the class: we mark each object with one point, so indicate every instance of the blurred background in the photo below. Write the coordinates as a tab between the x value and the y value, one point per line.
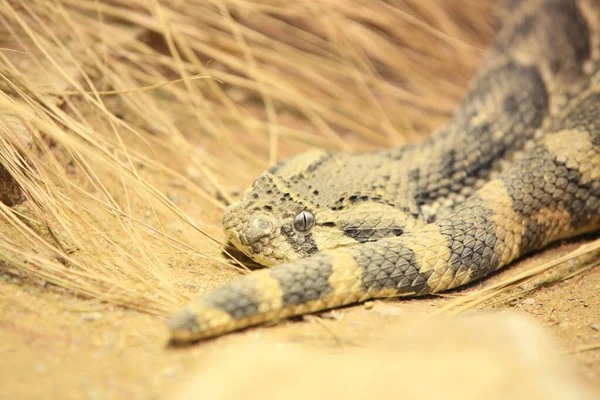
128	126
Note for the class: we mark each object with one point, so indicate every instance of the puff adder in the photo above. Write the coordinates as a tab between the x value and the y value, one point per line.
516	168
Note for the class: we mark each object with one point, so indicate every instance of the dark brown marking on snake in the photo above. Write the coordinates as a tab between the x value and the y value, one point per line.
578	32
304	281
527	102
390	267
471	235
238	301
362	231
303	244
585	117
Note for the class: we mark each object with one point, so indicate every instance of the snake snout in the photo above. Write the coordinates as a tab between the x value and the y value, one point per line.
248	231
258	228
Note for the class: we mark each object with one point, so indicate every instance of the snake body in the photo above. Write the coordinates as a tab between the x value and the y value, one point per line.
516	168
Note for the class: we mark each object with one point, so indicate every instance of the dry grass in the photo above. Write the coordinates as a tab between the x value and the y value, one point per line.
131	124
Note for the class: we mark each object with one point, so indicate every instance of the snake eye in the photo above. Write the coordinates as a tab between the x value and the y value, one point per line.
304	221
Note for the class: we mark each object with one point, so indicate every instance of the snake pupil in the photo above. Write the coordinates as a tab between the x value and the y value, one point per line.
304	221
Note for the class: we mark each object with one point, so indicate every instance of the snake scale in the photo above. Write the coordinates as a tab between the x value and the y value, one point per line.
516	168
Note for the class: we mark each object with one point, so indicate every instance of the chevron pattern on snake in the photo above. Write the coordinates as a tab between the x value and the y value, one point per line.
516	168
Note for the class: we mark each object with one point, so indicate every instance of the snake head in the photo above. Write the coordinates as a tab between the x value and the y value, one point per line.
278	219
312	202
268	225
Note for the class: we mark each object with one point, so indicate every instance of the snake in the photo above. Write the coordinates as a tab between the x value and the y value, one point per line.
516	168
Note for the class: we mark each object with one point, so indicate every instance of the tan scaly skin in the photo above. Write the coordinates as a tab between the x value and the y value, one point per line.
516	168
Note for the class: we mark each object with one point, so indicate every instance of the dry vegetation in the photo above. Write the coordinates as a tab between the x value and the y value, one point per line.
129	125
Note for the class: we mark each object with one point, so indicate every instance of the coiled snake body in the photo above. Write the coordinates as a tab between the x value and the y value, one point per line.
516	168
